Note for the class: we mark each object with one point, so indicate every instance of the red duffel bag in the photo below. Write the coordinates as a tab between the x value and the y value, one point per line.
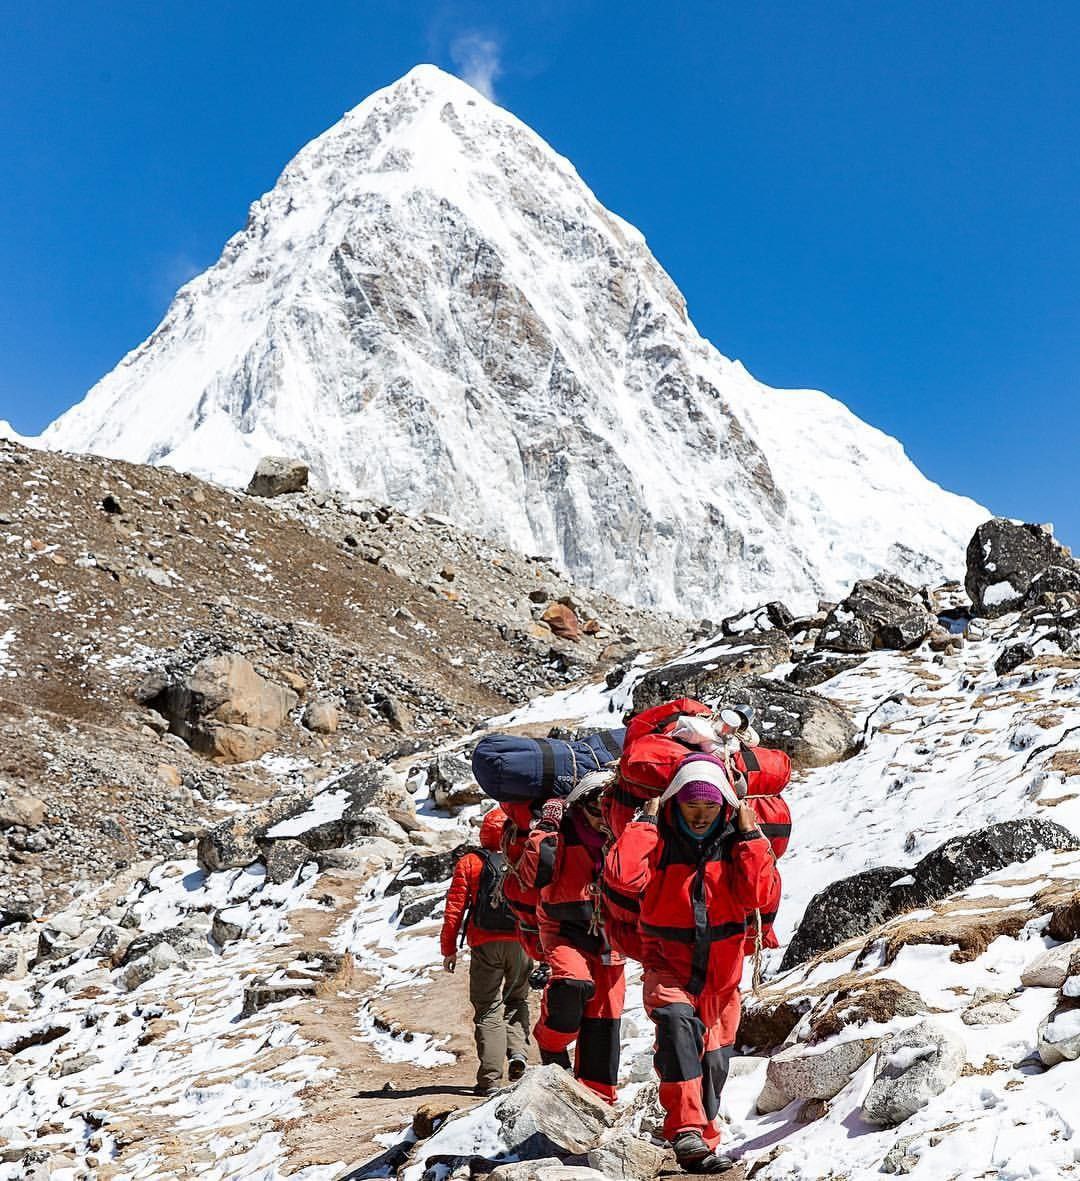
650	757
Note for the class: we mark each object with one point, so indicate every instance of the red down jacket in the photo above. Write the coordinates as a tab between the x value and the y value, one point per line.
649	760
696	899
522	896
567	867
464	885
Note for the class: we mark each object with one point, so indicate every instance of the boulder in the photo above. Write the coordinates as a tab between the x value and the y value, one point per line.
1012	657
549	1169
812	1072
21	811
424	868
1064	922
396	712
1050	968
989	1013
629	1156
228	924
818	667
452	784
369	857
284	859
349	809
547	1114
852	906
708	673
186	943
563	621
912	1067
767	617
223	708
1003	561
767	1021
233	843
157	959
14	909
1059	1037
961	861
275	475
321	717
1053	581
881	612
418	903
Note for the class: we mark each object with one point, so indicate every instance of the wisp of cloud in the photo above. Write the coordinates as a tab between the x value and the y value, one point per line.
476	59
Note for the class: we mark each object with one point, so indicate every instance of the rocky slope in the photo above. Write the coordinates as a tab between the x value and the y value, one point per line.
923	1019
432	309
330	630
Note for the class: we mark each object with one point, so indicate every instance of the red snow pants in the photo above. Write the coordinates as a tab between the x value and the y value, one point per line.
583	1002
694	1040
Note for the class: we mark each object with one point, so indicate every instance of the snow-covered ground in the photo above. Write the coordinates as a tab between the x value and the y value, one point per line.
951	747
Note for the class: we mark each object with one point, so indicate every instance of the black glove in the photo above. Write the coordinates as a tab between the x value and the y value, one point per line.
539	976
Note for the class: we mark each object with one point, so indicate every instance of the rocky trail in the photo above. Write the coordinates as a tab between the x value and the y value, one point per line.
267	1000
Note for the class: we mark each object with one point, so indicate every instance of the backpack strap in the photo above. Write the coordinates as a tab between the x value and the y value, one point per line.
547	759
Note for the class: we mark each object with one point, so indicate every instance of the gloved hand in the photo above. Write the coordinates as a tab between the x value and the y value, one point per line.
551	815
539	976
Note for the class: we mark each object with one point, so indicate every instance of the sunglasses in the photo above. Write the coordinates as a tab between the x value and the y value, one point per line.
592	809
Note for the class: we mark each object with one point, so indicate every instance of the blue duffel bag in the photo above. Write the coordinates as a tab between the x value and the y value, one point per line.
510	767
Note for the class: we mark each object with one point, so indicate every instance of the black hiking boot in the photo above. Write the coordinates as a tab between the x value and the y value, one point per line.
693	1155
516	1069
562	1058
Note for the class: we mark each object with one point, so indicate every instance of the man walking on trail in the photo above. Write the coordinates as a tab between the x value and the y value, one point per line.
499	968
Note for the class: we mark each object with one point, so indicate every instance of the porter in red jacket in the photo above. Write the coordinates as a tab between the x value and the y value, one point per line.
701	867
498	965
522	897
583	999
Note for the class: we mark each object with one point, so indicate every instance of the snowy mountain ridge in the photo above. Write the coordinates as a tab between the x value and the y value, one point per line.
432	309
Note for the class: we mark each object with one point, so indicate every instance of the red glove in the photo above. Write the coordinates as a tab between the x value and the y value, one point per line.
551	815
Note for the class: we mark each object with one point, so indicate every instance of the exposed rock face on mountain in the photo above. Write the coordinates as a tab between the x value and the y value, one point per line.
431	309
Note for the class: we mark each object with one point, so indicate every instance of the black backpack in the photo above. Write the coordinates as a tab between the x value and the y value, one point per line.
491	912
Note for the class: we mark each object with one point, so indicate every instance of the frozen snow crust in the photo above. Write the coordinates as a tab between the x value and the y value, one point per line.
431	309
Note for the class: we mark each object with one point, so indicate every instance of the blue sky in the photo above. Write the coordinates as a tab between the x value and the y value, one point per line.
876	200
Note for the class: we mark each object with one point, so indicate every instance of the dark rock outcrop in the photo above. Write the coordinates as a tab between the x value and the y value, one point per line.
420	868
817	667
768	617
881	612
708	673
844	909
962	861
1012	657
855	905
1051	583
1005	559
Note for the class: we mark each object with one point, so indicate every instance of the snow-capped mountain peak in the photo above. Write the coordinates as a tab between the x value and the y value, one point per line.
431	308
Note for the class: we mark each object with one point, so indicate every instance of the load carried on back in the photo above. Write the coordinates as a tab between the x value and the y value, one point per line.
568	805
640	762
657	742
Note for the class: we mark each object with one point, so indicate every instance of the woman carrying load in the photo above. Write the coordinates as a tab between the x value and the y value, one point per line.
701	866
583	999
